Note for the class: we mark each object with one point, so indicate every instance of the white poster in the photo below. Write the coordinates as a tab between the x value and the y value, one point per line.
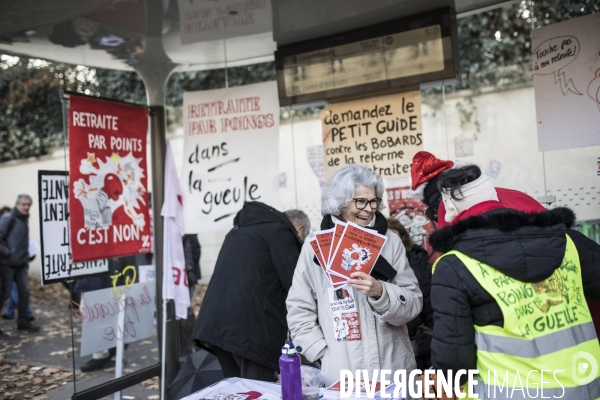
231	143
205	20
566	67
99	315
54	231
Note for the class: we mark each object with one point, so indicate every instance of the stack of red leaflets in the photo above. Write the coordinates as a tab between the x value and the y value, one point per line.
345	249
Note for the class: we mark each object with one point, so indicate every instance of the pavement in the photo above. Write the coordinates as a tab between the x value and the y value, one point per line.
46	364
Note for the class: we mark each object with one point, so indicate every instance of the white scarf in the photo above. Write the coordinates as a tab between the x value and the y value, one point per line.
473	193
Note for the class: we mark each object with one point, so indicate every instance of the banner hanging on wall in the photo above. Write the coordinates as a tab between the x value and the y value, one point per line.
566	77
108	209
231	143
54	231
381	133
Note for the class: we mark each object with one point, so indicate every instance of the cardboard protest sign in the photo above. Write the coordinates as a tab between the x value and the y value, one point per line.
231	142
381	133
99	313
357	251
53	192
566	78
108	206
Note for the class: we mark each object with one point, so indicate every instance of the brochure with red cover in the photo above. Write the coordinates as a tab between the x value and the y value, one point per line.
324	239
357	251
315	246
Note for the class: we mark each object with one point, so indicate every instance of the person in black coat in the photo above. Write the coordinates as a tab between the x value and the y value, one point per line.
525	247
420	329
243	316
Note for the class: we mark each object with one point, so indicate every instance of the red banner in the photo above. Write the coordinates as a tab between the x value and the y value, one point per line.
108	202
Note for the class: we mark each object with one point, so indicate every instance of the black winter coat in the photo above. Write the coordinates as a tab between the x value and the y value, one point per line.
14	232
243	311
420	340
526	247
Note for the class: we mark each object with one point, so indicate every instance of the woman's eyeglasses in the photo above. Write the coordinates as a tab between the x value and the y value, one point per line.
361	203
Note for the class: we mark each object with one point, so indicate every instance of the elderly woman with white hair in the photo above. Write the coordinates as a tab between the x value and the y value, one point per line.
384	301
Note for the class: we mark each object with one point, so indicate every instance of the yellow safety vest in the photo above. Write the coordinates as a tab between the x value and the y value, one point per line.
547	327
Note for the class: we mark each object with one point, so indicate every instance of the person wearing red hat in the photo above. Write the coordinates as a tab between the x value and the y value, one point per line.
425	171
507	294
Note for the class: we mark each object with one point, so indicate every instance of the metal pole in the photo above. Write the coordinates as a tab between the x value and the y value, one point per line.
155	67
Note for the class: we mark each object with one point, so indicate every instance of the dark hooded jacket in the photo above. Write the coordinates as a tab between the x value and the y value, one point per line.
243	311
14	239
526	247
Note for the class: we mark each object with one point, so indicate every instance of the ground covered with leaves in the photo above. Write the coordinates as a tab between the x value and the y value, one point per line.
34	365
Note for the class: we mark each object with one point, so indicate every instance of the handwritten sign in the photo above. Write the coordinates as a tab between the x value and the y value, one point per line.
54	231
108	187
567	83
231	142
99	311
381	133
204	20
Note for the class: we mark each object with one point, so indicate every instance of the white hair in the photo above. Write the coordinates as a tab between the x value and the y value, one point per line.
299	217
339	191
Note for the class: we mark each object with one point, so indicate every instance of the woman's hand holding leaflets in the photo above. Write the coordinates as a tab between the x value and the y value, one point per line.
366	284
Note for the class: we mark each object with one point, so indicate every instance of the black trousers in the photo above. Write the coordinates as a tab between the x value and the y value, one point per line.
8	275
234	366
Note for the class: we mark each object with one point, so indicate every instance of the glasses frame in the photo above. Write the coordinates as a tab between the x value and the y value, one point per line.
369	202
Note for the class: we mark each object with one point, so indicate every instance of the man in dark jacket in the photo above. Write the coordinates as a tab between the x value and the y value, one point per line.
243	315
14	258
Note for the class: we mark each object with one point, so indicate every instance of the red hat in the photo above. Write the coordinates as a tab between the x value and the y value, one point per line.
425	166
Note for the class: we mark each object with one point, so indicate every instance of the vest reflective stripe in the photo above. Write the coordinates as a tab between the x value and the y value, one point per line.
587	392
538	346
547	330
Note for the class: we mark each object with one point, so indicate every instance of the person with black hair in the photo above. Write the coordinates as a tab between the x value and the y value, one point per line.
508	292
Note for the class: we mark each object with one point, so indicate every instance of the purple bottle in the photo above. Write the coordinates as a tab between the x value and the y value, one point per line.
289	366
